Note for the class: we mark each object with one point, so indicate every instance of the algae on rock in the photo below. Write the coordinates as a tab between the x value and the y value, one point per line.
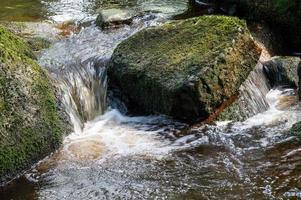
186	68
30	125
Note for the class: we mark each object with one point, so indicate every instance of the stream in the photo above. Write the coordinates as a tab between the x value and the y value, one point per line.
111	155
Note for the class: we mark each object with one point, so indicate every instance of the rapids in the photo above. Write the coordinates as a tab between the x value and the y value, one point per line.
114	156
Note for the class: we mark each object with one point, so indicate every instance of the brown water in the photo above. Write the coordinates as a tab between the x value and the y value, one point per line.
113	156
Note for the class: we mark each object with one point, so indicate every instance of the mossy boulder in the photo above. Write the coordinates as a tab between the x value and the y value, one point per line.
282	71
30	125
185	69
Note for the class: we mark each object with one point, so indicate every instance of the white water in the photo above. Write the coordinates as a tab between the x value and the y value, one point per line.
70	10
116	156
155	135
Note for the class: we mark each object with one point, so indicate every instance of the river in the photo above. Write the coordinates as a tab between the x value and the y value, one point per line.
114	156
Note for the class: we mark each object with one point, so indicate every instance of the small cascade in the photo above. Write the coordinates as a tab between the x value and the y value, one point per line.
78	67
83	87
253	93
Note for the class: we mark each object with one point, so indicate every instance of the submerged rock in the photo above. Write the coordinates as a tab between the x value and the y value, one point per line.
282	71
30	125
185	69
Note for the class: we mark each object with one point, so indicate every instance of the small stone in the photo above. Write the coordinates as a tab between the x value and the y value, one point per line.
114	17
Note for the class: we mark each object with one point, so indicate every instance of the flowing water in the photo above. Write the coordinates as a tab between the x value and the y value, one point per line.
113	156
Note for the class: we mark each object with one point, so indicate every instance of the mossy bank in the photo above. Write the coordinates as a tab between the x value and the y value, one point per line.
186	69
30	125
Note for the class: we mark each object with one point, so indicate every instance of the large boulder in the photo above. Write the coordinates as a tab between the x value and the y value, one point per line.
185	69
30	125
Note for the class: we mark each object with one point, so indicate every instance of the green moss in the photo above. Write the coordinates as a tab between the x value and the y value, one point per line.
30	126
13	47
185	68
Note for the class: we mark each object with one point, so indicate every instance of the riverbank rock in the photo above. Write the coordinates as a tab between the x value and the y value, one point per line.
282	71
185	69
30	125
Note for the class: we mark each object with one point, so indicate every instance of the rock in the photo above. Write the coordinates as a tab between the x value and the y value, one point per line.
185	69
121	12
167	7
30	125
282	71
114	17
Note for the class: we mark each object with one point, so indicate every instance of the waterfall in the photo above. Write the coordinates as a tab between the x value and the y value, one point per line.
78	67
83	87
253	93
252	97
